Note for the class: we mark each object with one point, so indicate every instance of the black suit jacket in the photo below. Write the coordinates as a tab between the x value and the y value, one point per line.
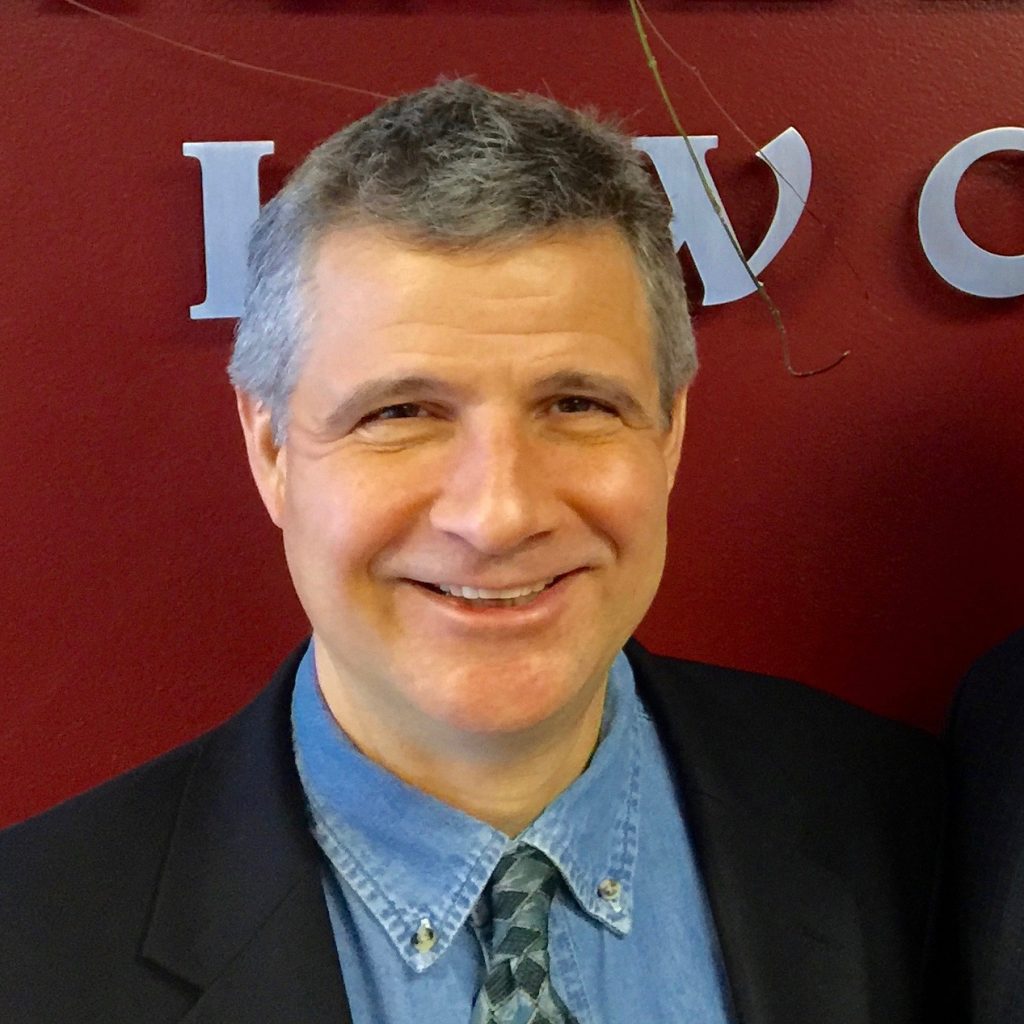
987	832
190	889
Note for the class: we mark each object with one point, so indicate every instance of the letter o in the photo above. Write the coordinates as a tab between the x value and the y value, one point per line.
957	259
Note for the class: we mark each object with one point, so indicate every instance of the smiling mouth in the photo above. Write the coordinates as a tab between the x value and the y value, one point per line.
483	597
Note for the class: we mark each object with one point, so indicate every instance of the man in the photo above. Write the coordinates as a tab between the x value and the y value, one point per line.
461	375
987	866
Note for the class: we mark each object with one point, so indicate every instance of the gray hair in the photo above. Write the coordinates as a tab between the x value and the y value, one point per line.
452	167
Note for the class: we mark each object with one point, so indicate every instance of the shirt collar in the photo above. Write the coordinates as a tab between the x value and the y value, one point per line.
420	866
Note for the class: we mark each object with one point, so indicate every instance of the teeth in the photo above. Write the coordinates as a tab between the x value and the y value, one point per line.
484	594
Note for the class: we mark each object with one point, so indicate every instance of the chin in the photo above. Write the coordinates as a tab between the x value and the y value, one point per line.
511	695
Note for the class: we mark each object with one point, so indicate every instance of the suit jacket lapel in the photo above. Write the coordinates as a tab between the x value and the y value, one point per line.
240	912
786	923
288	970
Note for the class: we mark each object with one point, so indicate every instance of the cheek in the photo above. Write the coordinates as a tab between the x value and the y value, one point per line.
626	498
341	517
627	502
326	525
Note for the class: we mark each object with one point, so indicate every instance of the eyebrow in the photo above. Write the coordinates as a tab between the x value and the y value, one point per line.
373	394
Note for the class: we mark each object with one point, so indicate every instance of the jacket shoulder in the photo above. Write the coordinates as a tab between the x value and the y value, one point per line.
88	833
989	704
985	898
82	885
808	758
795	798
795	722
76	891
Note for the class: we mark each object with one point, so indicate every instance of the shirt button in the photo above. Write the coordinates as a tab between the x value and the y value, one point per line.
424	937
609	890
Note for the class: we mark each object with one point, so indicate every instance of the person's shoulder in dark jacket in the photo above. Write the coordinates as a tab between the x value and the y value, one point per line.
866	793
69	884
985	919
815	738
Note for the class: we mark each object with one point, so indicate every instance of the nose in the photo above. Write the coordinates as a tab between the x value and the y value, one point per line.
498	494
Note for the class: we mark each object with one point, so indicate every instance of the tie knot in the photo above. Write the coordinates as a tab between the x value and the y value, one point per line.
517	988
523	875
520	893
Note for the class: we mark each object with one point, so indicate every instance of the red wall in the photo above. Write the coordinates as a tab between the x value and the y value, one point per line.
859	530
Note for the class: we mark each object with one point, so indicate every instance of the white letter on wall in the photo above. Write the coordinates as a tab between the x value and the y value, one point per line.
956	259
231	203
695	223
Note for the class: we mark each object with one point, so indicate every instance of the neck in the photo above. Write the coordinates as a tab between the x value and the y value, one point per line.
504	779
510	785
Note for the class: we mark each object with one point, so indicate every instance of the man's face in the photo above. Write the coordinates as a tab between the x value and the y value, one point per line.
473	488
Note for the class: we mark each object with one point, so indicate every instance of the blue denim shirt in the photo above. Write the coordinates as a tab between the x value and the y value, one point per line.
630	933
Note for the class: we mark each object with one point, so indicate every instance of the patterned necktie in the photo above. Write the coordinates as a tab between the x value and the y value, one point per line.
517	989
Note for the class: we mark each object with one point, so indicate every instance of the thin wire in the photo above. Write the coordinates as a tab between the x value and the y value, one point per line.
695	72
223	58
808	209
776	315
639	13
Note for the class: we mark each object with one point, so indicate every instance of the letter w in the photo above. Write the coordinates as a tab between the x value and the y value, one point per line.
696	224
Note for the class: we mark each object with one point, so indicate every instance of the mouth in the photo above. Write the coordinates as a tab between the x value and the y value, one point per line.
486	597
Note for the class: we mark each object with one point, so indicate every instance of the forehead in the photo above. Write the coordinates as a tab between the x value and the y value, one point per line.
580	280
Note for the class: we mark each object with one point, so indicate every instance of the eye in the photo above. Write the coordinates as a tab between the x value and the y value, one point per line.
576	404
400	411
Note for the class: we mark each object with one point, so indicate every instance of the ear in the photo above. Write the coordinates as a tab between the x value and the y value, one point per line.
266	457
673	443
